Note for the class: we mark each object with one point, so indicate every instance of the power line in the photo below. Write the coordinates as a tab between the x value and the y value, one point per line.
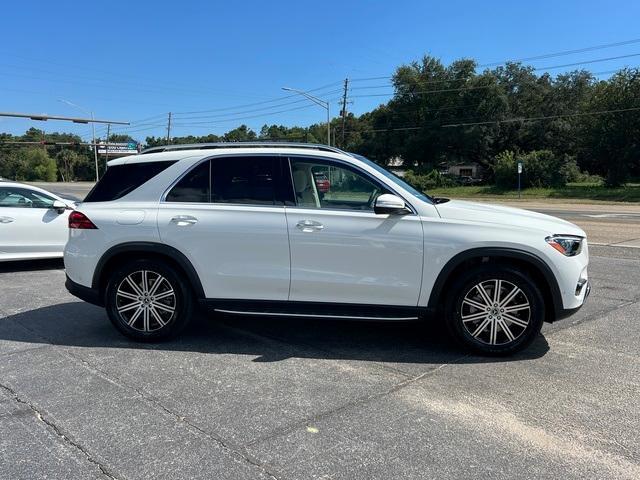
565	52
196	124
422	92
546	117
492	122
391	85
278	99
529	59
589	61
303	100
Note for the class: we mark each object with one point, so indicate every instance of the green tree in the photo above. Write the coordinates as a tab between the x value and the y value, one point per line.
610	143
35	164
67	161
240	134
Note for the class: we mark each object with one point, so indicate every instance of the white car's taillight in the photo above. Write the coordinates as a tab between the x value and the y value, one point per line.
80	221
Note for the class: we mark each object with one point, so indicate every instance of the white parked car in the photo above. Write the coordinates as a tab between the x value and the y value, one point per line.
33	222
243	229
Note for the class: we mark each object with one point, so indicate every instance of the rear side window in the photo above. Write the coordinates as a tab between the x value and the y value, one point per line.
257	180
244	180
122	179
194	187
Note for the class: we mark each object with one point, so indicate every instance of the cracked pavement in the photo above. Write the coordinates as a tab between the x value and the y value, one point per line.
279	398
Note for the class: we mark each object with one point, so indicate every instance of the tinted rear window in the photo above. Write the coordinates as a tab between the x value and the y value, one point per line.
122	179
257	180
194	187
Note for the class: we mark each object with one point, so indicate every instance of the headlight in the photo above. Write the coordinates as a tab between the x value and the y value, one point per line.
568	245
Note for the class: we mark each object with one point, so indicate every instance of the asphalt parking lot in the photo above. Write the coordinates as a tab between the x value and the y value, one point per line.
298	399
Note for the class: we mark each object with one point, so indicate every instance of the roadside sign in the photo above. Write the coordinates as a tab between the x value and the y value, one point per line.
519	175
118	149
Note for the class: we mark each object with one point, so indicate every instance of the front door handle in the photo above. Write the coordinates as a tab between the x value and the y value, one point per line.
309	226
184	220
6	219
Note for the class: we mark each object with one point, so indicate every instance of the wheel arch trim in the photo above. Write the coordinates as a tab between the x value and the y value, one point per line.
500	252
154	248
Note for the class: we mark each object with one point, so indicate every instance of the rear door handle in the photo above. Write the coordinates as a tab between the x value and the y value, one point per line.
6	219
309	226
184	220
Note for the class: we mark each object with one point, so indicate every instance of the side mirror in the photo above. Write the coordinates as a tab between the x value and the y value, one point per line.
59	206
388	203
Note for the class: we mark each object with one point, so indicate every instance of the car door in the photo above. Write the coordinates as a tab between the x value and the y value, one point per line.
29	226
343	252
227	217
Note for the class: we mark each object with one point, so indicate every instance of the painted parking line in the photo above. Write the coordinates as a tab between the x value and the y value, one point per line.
611	215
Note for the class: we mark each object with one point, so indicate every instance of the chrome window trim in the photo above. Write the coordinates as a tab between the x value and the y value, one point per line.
310	155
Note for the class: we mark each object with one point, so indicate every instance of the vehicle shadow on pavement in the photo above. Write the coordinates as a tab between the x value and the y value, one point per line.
268	339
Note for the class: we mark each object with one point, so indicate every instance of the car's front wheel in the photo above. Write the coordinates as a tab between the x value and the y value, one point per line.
148	300
495	310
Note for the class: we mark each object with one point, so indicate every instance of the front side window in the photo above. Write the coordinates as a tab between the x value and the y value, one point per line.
24	198
319	184
394	178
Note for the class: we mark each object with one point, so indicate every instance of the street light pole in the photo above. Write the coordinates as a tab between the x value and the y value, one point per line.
93	132
317	101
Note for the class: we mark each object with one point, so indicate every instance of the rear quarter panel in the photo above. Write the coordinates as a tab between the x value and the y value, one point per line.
118	222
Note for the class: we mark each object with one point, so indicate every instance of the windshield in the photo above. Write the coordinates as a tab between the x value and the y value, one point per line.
395	179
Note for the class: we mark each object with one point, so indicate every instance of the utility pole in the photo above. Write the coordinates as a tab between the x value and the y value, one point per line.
106	150
95	147
169	129
343	112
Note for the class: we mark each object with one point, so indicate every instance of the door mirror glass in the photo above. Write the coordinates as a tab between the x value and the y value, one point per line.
388	203
58	206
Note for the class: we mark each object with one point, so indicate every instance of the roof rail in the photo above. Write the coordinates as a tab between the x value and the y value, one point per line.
207	146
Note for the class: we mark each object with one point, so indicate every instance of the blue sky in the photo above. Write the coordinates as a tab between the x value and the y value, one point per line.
138	60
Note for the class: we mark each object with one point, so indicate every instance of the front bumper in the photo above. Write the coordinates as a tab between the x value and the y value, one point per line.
87	294
567	312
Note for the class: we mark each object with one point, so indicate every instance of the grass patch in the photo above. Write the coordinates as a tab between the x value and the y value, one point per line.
576	191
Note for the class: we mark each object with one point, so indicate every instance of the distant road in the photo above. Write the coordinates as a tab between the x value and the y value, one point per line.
606	223
77	189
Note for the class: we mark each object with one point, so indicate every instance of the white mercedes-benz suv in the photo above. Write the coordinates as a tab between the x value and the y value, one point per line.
312	231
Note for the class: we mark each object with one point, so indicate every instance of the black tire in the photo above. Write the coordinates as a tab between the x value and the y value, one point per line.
161	318
493	339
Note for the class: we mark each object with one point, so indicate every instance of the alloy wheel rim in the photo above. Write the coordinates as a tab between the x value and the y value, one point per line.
495	312
146	301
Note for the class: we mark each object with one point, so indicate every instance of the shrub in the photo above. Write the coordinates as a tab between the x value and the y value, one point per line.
433	179
541	168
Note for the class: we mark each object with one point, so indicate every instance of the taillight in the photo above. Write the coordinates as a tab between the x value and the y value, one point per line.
81	221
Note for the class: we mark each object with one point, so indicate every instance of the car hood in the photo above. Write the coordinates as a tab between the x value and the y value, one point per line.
506	216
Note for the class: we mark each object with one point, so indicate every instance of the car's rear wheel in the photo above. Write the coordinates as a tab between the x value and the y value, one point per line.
495	310
148	301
